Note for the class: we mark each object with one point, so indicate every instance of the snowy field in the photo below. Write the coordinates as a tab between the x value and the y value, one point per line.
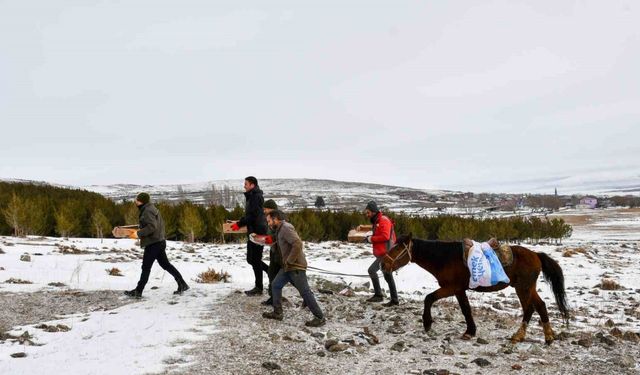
160	332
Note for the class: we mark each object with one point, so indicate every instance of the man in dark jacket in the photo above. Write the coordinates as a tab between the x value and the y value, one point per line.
294	270
256	223
152	239
382	240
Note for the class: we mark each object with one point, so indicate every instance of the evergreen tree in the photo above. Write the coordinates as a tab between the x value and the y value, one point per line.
15	214
100	224
319	202
68	218
191	223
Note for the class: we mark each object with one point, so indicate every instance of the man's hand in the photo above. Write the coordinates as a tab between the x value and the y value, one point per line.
235	227
367	239
268	240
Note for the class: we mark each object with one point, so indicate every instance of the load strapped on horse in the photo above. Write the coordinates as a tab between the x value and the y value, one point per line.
447	261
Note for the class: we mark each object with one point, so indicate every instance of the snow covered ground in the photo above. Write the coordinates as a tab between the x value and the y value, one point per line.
153	334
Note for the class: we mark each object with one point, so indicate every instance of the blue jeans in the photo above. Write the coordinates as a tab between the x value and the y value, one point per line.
299	280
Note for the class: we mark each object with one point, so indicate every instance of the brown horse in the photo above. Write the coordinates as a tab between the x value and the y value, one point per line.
444	260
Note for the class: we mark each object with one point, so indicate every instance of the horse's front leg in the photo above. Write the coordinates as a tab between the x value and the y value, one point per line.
428	302
461	296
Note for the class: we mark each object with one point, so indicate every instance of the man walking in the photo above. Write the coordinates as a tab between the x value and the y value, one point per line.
152	239
382	240
294	267
255	222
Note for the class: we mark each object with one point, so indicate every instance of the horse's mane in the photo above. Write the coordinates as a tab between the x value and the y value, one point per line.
438	253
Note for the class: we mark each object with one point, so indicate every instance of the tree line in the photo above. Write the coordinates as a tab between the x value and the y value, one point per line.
45	210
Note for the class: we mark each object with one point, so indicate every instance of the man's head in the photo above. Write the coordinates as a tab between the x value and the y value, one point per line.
142	198
275	218
250	183
269	205
371	210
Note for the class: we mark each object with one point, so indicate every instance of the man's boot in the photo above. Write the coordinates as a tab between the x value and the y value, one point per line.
376	298
182	287
134	293
276	314
254	292
393	302
316	322
268	302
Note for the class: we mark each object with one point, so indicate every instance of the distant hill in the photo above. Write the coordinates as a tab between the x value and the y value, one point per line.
288	193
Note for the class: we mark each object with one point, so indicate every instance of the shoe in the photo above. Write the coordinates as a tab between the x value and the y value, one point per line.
133	293
254	292
182	287
375	298
391	303
268	302
316	322
276	314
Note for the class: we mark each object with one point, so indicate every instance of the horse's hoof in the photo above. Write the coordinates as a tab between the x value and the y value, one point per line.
548	341
466	337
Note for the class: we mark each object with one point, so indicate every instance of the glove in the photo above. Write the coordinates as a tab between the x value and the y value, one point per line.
367	239
268	240
235	227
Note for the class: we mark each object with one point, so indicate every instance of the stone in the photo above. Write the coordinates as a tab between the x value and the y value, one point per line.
482	341
340	347
271	366
25	258
329	343
516	367
399	346
481	362
616	332
19	355
625	361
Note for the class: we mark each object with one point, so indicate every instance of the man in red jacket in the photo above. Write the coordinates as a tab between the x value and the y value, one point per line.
382	240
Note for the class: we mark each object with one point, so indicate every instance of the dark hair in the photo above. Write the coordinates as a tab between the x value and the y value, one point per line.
252	180
276	214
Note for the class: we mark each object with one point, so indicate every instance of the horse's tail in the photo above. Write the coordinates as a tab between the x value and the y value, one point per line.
553	273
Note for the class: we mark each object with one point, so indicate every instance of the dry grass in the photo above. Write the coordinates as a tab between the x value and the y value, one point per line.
17	281
570	252
211	276
114	272
609	284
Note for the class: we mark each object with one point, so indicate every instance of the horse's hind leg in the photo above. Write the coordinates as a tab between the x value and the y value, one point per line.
525	296
428	302
468	318
541	308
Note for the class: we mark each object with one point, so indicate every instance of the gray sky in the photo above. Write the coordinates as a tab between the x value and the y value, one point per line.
425	94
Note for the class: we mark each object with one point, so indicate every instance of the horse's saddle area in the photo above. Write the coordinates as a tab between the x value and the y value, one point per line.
503	251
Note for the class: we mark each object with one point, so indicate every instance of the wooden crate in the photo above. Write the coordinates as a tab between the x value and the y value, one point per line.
226	228
126	231
359	234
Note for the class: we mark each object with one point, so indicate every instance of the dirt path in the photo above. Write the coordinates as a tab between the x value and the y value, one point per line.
376	340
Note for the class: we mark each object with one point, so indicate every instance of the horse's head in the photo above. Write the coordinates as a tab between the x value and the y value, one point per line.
399	255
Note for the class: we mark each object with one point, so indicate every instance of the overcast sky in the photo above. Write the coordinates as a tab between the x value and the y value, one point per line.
416	93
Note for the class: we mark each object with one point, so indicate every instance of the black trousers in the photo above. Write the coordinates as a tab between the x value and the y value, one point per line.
152	253
275	264
254	258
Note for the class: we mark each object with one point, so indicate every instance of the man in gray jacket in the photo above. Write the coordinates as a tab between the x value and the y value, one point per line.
152	239
294	270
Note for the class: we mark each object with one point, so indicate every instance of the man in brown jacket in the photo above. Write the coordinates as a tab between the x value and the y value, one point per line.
294	270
